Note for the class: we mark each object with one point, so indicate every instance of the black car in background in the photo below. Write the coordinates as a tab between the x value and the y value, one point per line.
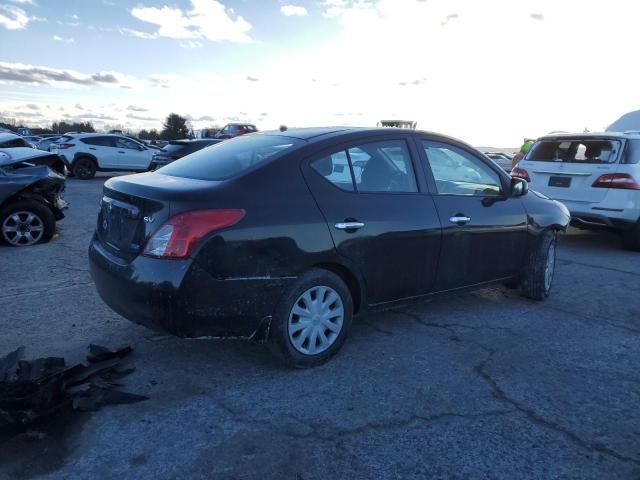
284	236
177	149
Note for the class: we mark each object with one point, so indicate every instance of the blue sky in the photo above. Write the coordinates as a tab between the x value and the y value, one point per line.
489	72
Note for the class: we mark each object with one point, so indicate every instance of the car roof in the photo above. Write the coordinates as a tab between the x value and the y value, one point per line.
9	156
592	135
6	136
312	134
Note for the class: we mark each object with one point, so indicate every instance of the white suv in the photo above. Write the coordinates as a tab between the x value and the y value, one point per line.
86	153
596	175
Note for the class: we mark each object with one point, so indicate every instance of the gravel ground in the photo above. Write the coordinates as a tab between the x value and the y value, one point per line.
472	386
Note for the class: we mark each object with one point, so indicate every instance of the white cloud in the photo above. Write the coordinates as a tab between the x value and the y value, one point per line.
24	2
206	19
192	44
137	33
293	10
13	18
58	38
41	75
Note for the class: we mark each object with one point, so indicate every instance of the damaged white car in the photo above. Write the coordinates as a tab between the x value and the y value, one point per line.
32	183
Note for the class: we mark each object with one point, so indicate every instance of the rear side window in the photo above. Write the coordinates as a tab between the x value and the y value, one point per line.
230	158
100	141
575	151
383	167
335	168
632	154
371	167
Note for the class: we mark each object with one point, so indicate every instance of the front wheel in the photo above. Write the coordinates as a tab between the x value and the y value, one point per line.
26	222
312	322
540	269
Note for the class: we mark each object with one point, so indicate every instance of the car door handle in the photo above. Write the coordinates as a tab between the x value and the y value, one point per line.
459	219
120	151
91	148
349	225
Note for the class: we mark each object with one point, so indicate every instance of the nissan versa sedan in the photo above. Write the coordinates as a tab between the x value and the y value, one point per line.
285	236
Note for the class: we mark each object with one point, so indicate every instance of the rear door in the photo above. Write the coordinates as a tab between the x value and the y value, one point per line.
381	218
565	169
484	230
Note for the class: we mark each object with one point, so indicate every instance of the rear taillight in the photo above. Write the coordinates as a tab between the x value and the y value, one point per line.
518	172
178	235
616	180
62	146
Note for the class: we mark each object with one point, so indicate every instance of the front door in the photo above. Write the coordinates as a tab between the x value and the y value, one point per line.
379	215
484	229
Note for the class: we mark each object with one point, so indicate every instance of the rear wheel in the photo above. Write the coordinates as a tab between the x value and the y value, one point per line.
540	268
631	238
25	223
312	322
84	168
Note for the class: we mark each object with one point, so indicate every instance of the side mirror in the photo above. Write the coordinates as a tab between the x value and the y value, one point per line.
519	187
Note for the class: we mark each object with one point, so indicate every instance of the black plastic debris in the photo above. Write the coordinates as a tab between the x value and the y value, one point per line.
33	389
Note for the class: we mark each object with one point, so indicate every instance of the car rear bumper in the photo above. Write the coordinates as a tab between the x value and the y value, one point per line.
603	215
181	298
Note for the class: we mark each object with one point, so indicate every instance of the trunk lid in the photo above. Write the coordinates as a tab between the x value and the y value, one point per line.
133	207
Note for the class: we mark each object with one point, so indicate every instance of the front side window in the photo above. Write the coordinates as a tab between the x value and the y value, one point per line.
457	172
126	143
575	151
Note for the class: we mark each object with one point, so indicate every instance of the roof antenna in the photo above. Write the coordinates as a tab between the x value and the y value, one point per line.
283	128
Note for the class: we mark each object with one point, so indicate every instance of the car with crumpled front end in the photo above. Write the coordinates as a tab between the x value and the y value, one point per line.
32	184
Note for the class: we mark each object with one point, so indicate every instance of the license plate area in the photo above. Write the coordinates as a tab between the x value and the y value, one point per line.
559	181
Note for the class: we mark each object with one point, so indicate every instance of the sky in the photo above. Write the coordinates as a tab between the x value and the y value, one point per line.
489	72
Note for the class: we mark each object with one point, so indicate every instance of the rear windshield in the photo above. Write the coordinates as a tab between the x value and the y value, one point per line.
575	151
230	158
174	147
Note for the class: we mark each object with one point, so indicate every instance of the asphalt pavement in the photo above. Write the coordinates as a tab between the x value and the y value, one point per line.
482	385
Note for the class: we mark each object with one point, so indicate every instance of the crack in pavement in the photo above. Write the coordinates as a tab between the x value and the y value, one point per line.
532	416
23	292
598	267
450	327
592	318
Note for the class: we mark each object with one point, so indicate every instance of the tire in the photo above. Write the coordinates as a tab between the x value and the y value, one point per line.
84	168
537	280
290	341
631	238
18	229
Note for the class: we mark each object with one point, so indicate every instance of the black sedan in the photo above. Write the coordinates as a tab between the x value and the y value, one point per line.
284	236
177	149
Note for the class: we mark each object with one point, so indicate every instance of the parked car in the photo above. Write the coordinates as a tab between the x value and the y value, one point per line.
254	238
31	188
597	176
11	140
46	142
88	153
502	159
177	149
231	130
33	140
